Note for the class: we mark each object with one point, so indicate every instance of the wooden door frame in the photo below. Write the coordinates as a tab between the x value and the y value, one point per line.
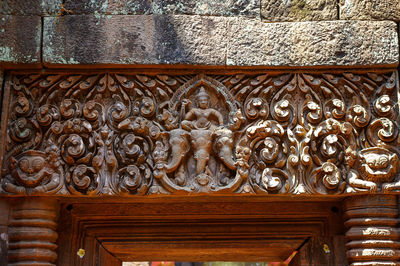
198	229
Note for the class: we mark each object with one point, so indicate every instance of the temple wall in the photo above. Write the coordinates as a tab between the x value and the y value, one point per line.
202	42
211	33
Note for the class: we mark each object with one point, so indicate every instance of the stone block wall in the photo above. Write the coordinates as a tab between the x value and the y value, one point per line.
268	33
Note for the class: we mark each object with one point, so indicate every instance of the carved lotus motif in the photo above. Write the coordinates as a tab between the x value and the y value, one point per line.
73	148
329	147
331	176
378	164
271	150
132	149
334	141
256	107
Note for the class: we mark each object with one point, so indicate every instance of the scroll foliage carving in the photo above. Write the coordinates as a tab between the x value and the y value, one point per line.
137	134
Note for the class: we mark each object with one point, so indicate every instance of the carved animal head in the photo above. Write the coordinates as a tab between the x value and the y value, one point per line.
179	140
30	168
378	164
224	138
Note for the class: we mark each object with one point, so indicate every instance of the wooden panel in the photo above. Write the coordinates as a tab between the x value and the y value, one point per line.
105	258
4	209
322	251
212	250
193	230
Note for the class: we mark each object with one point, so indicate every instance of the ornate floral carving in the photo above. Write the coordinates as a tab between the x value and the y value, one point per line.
293	133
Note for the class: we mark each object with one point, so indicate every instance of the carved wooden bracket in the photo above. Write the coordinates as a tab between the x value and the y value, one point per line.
130	134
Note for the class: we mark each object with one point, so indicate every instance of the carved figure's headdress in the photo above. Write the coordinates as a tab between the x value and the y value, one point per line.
202	93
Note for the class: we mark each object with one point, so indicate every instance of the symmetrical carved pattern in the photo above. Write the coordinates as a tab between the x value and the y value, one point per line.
114	134
372	236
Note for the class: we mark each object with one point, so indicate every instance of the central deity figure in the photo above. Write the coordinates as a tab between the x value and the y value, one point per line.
203	116
201	121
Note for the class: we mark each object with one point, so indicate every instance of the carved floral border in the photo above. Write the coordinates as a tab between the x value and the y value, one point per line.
140	134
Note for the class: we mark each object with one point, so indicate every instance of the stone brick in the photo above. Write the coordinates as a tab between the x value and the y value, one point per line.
298	10
20	38
342	43
370	9
208	40
100	39
158	39
249	8
121	7
30	7
191	39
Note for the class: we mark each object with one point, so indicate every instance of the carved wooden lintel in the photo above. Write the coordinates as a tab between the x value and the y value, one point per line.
139	134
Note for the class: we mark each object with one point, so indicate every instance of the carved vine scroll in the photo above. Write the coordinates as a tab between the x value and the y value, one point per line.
137	134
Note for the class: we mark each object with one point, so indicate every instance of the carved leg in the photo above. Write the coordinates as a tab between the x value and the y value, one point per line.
390	186
356	181
372	236
32	232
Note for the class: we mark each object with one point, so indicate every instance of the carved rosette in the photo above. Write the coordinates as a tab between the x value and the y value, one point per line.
136	134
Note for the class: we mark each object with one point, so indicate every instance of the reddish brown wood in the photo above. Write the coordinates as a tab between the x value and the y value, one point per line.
94	254
322	251
32	232
196	231
105	258
99	139
372	236
139	133
4	211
